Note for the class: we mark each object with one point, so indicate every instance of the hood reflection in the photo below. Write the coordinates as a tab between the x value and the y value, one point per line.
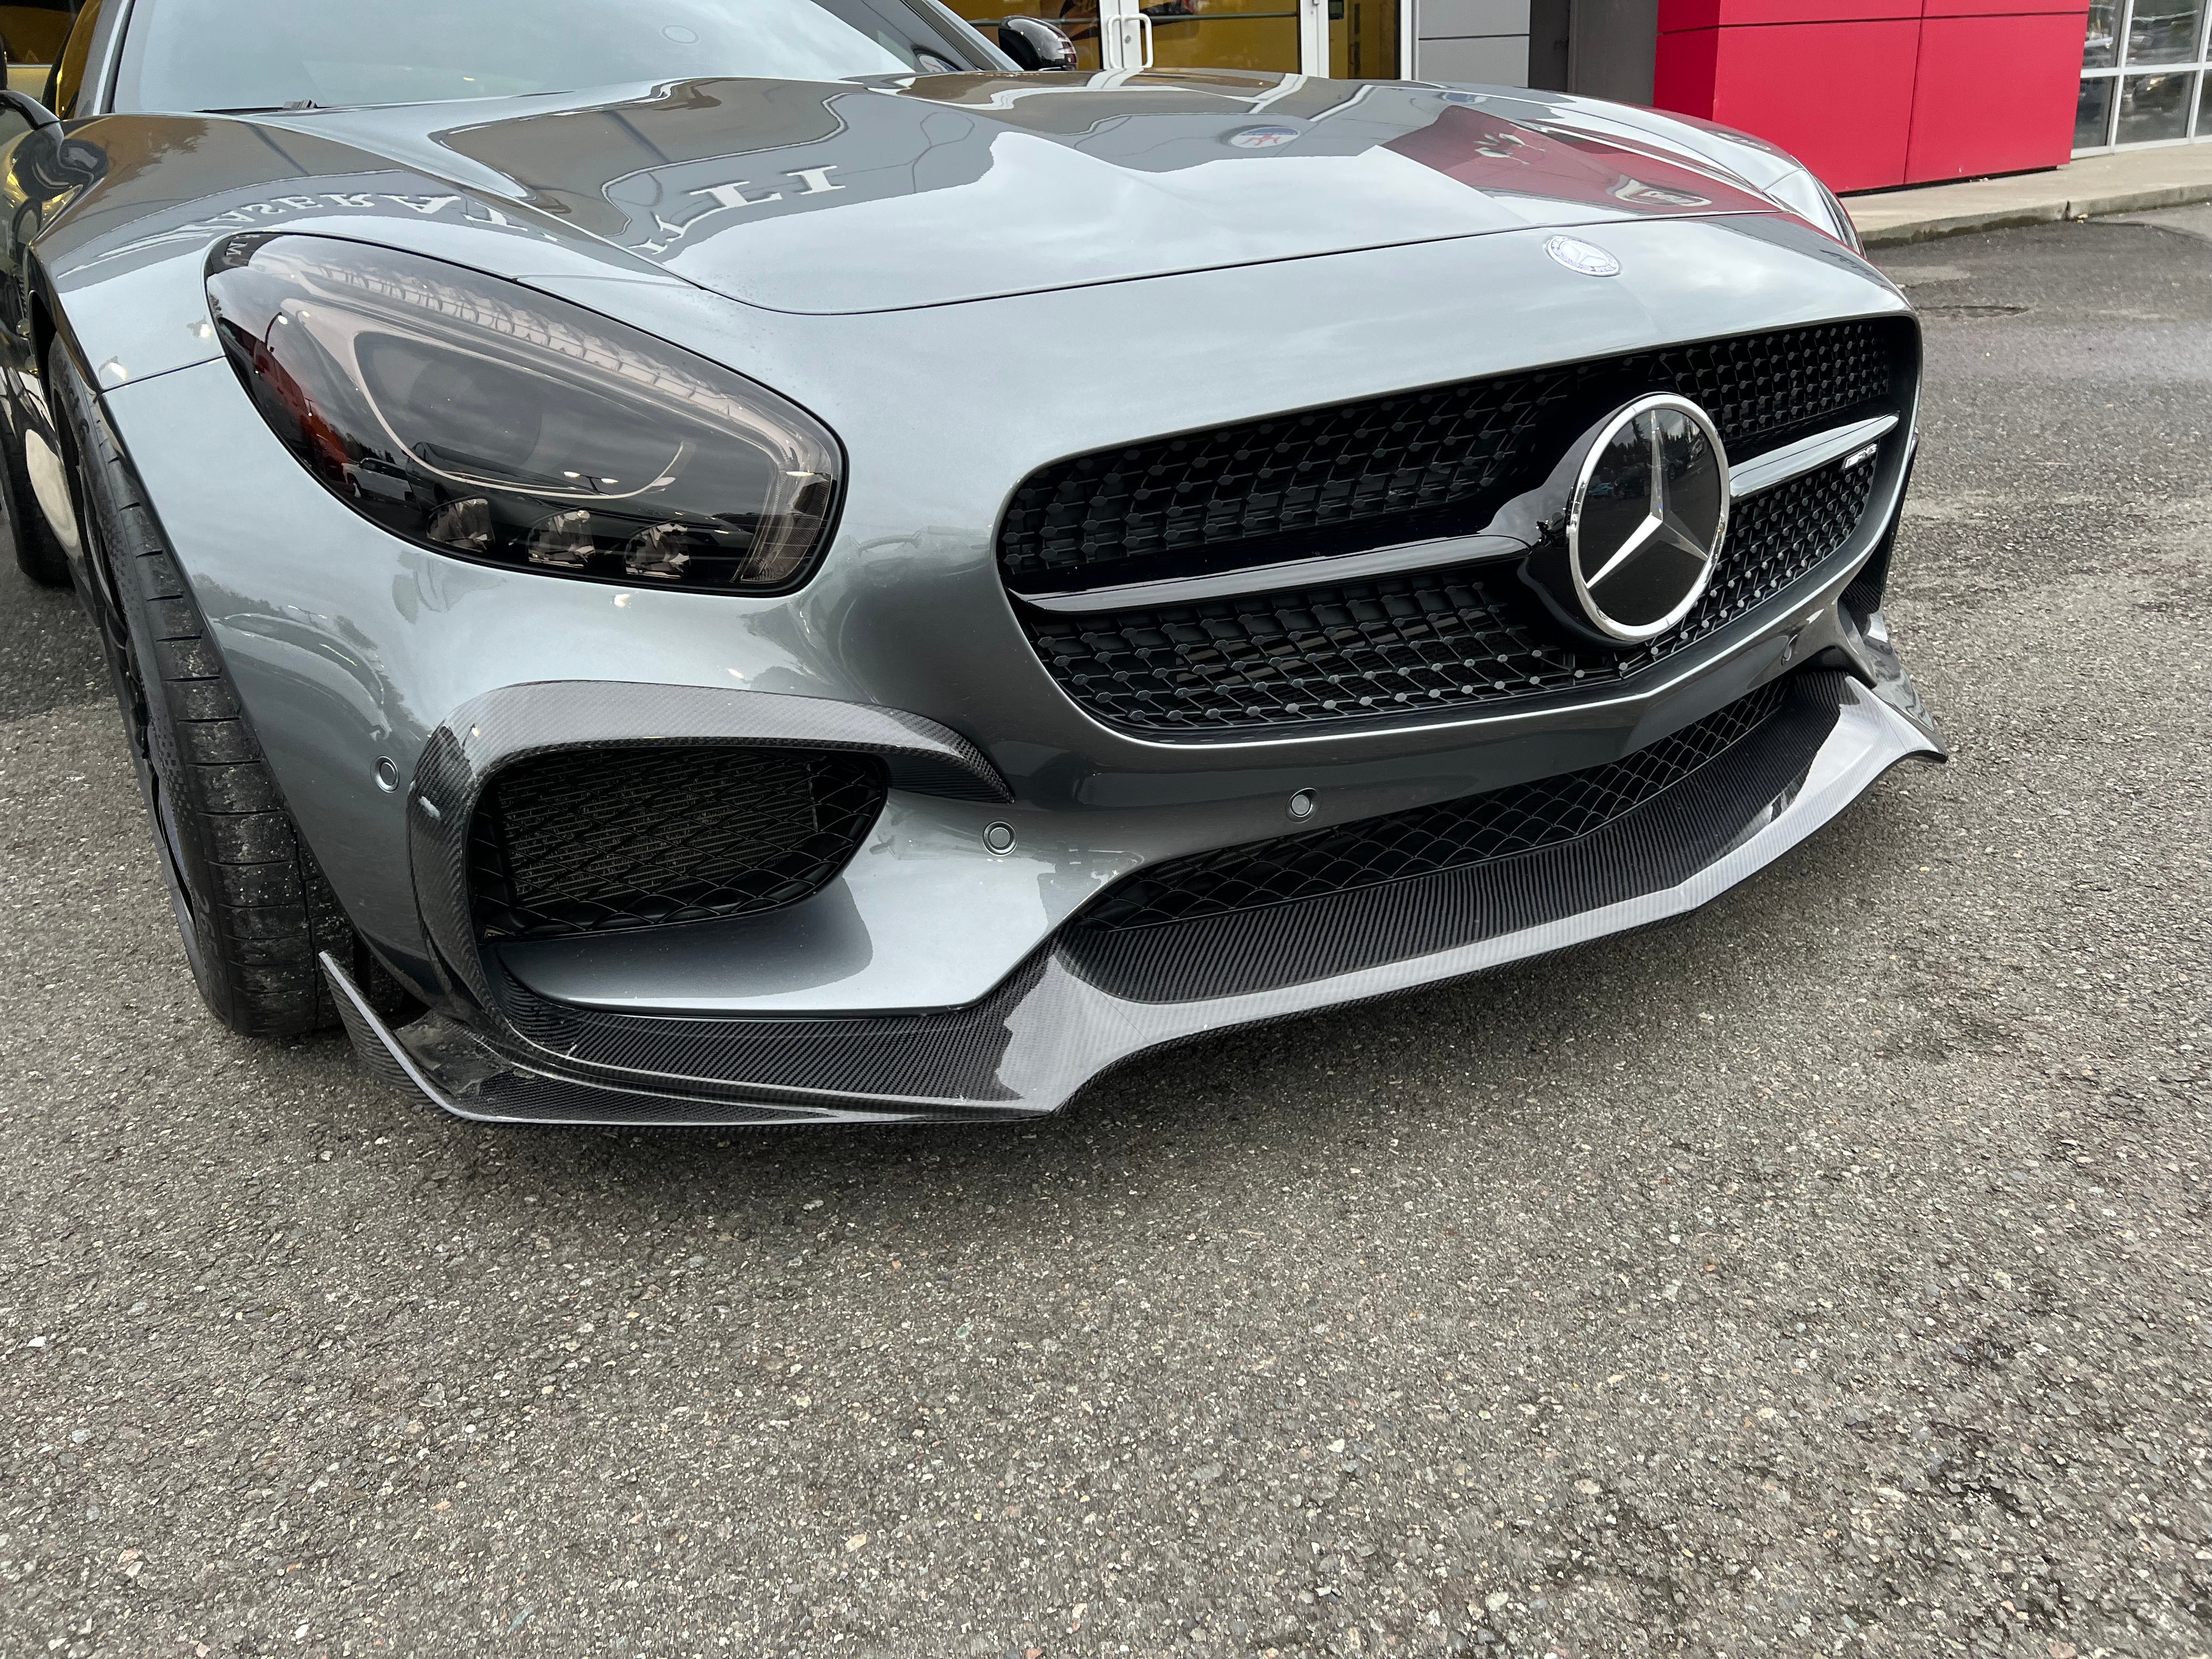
921	190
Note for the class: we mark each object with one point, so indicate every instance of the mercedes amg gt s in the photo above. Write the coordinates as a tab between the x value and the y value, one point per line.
793	561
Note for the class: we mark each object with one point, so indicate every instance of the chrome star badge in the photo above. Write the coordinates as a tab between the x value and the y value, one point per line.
1647	517
1582	256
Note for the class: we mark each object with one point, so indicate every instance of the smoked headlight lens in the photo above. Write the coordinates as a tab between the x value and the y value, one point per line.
490	422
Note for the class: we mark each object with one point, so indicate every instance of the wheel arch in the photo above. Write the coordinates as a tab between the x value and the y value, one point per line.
212	674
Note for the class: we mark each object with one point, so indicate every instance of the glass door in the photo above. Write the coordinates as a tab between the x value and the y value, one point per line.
1363	39
1356	40
1245	34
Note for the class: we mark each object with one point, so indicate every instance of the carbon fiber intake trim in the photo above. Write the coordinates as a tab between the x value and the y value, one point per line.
505	726
1452	638
1443	835
1427	463
1583	842
1057	1021
945	1057
454	1071
593	841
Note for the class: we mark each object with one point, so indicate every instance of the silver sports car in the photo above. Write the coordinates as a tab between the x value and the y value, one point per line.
753	563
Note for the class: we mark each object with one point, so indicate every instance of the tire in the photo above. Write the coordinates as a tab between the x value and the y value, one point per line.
253	907
38	552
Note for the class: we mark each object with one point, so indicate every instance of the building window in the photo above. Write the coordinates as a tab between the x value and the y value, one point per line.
2146	75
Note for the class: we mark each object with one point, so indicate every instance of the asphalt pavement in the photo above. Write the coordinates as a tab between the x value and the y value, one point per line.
1826	1273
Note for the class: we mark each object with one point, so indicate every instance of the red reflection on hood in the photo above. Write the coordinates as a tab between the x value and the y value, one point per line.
1505	158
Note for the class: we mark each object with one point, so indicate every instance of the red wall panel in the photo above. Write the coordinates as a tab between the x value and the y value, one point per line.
1683	71
1836	96
2007	7
1994	95
1724	14
1874	93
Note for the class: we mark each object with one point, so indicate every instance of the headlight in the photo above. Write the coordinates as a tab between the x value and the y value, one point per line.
1847	230
1815	203
498	424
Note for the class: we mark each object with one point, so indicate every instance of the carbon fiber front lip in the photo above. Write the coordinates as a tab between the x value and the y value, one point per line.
1029	1047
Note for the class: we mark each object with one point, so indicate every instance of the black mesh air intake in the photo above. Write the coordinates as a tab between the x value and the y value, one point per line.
1398	645
590	840
1440	878
1432	462
1447	836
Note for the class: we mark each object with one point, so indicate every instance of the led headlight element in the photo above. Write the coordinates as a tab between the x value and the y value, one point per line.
502	425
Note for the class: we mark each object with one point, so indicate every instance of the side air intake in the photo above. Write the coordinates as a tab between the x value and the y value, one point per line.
594	839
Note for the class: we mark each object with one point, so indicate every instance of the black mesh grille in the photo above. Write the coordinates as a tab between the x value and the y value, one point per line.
1416	463
585	840
1397	644
1448	835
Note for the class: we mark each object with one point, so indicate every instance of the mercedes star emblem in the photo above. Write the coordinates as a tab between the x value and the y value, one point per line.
1646	519
1586	258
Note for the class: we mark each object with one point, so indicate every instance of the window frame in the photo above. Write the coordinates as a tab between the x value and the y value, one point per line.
2197	126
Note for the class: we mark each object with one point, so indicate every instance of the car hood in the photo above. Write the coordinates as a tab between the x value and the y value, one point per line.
844	196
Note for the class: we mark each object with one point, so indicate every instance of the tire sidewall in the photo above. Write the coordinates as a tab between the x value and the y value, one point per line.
127	632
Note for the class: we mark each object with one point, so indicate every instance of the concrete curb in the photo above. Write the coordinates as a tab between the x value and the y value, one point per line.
2126	181
1927	230
2036	213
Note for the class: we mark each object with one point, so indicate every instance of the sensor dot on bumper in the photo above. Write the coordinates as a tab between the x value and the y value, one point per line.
998	838
1304	803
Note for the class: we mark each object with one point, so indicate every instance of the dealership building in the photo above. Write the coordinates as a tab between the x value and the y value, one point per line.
1871	94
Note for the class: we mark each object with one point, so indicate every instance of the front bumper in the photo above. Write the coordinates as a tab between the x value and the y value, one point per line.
1063	1017
938	980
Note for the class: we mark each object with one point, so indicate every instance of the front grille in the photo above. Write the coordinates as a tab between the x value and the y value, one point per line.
1449	835
1399	645
589	840
1432	462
